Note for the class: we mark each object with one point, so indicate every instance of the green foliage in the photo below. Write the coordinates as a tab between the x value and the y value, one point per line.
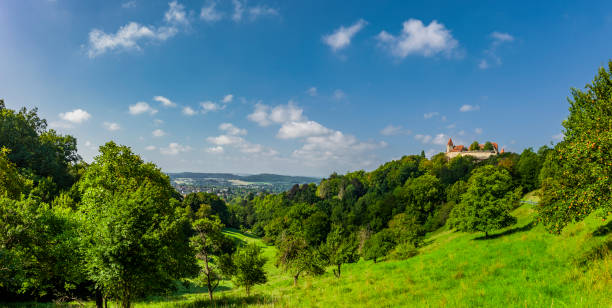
210	243
379	245
295	256
249	267
487	203
578	172
136	235
475	146
341	247
421	196
204	204
528	168
488	146
39	249
44	152
12	184
455	191
407	229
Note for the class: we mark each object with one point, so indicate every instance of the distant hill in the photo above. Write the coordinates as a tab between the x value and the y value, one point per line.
254	178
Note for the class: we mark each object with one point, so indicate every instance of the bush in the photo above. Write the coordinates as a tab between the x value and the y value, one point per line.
404	251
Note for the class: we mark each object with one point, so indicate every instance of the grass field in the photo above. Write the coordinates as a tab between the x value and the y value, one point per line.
520	266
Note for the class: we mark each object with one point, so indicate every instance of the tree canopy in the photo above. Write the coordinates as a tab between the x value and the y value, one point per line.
578	177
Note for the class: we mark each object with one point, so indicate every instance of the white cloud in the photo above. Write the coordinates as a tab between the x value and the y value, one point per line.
391	130
133	34
158	133
225	140
430	115
188	111
461	133
164	101
228	98
264	115
335	149
129	4
174	149
253	12
466	108
176	14
478	131
440	139
150	148
423	138
418	39
260	11
75	116
292	130
238	10
210	14
483	64
260	115
111	126
339	94
312	91
230	129
141	107
558	137
215	150
341	38
498	38
209	106
158	122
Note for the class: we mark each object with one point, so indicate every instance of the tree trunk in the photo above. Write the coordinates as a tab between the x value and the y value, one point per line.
248	290
105	302
295	279
208	282
374	260
337	272
486	234
99	299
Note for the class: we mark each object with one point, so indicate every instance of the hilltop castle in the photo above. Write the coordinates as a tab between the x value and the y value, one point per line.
460	150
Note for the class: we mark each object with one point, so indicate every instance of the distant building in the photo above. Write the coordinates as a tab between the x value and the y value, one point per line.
460	150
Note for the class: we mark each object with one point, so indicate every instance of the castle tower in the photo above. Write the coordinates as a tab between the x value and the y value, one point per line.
449	145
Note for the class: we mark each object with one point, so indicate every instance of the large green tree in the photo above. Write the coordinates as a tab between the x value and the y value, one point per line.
487	203
39	250
204	204
136	234
577	178
44	153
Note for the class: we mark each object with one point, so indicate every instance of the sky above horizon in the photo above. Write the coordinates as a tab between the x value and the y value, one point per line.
302	88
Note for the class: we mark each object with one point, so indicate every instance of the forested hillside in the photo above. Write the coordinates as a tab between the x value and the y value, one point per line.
427	231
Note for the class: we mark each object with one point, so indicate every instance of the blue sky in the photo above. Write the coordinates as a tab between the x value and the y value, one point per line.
293	87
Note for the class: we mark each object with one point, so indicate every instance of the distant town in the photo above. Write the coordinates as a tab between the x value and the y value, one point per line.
229	186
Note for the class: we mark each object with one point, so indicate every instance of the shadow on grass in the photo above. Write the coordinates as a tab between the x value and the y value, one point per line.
227	301
524	228
603	230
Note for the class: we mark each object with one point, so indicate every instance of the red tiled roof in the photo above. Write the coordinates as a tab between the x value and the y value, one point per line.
450	142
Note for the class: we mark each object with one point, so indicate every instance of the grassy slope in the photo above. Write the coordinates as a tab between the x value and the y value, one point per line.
521	266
